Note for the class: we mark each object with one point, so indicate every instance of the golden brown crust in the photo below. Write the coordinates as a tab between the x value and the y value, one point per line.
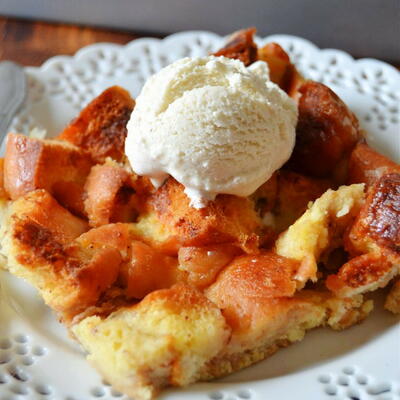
295	191
367	166
97	271
100	128
366	272
41	208
240	46
373	240
204	263
117	236
278	62
40	240
58	167
3	193
228	219
22	159
178	298
383	217
281	70
326	132
379	219
148	270
177	331
71	196
110	195
248	282
144	269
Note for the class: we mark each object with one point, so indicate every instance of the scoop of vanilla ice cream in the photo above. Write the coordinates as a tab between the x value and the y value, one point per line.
213	125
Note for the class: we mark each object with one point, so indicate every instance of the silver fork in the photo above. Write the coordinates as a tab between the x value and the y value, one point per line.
12	93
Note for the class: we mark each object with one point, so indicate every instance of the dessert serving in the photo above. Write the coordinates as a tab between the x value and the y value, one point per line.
195	231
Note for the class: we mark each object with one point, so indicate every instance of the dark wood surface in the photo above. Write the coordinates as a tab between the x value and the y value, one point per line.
33	42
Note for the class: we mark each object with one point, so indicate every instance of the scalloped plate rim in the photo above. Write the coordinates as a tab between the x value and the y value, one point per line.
178	35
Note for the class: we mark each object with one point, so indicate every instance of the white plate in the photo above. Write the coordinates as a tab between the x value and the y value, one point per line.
38	361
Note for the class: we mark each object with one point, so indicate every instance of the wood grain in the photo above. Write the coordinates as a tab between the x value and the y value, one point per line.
32	43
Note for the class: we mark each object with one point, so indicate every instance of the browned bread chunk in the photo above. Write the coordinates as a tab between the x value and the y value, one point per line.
326	133
166	339
295	191
100	128
3	193
58	167
110	195
374	241
257	297
228	219
281	70
362	274
367	166
143	269
204	263
240	46
39	239
148	270
283	199
248	279
378	223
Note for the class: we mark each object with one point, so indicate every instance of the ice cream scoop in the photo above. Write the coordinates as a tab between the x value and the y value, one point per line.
212	124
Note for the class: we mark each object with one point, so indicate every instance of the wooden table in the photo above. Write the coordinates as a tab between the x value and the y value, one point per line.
32	43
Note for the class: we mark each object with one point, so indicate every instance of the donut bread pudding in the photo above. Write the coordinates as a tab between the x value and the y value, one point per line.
162	294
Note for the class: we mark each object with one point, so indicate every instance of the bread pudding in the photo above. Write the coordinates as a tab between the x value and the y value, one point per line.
160	293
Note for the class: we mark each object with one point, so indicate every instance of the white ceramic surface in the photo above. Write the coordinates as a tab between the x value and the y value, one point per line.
38	361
